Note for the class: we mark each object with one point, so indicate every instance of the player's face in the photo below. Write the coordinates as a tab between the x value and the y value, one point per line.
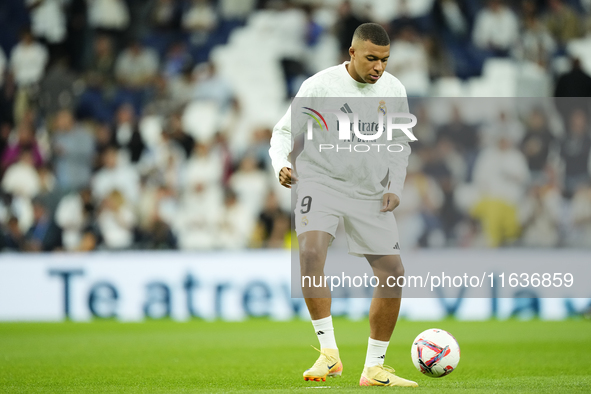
369	61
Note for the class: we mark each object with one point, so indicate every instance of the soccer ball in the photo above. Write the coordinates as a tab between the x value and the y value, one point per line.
435	353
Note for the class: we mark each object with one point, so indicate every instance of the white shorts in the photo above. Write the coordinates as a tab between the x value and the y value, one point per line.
368	230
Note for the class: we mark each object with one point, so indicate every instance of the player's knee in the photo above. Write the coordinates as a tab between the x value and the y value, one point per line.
398	270
311	260
394	270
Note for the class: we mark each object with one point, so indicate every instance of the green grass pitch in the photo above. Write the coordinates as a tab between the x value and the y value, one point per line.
265	356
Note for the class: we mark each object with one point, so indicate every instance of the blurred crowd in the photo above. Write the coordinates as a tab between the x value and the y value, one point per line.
498	172
133	124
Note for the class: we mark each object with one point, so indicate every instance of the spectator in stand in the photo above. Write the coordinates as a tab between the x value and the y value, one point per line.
505	126
126	134
496	28
109	17
572	90
164	162
179	136
235	224
535	43
575	83
21	178
250	184
103	141
182	86
580	218
7	98
348	21
501	176
203	167
576	151
537	143
420	201
136	67
433	159
44	235
258	146
91	238
159	102
266	221
409	62
2	66
48	23
116	175
157	209
313	29
74	213
440	62
236	10
540	215
100	72
562	22
452	16
464	136
73	149
5	131
165	15
212	86
4	209
425	129
25	140
450	160
449	213
199	19
28	60
176	60
116	221
280	237
199	211
47	180
57	90
22	209
77	28
400	11
99	75
27	64
13	238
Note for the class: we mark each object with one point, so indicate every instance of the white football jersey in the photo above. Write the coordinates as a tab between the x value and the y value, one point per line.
364	175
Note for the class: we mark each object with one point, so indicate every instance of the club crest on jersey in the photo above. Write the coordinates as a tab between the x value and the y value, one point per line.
304	221
382	108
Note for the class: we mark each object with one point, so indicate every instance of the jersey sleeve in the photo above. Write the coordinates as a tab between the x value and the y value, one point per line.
399	161
281	143
281	140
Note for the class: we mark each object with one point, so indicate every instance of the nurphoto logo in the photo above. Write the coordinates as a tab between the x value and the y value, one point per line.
363	131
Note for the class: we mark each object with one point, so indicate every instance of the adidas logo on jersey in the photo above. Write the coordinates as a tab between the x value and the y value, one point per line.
346	109
320	333
397	246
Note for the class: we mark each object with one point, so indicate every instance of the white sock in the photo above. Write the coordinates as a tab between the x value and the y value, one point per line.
376	352
325	333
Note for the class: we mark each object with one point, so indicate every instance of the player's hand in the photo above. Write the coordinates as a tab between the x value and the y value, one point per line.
285	177
389	202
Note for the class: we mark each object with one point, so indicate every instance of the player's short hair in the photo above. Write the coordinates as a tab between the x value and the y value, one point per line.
372	32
